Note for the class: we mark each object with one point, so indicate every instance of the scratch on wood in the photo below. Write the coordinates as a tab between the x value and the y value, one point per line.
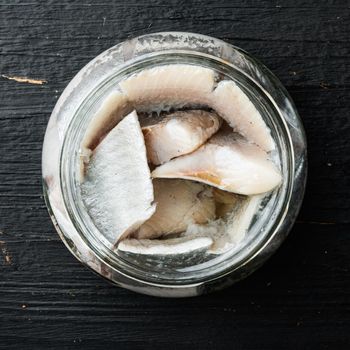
7	256
25	79
325	85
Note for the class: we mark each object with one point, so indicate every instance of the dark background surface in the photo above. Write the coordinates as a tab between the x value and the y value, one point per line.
300	299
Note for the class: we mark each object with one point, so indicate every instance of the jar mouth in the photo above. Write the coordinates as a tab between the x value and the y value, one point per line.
266	224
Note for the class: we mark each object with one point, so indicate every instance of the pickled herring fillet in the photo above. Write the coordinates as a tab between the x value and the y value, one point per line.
229	231
169	85
178	133
242	217
169	246
179	203
228	162
226	202
118	191
233	105
236	225
112	111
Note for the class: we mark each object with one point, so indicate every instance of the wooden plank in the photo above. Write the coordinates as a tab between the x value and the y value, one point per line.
288	295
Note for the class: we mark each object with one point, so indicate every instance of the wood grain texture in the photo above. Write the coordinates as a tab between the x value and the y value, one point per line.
299	300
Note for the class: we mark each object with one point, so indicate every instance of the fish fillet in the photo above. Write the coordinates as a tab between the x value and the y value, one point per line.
169	246
235	227
168	86
179	133
226	202
232	104
113	109
117	190
227	232
237	224
243	217
179	203
228	162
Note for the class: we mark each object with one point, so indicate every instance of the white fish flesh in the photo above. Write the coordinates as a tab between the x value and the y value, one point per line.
178	133
228	162
169	85
233	105
179	203
117	190
169	246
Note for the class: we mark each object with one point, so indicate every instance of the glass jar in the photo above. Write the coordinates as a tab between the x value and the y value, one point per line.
193	275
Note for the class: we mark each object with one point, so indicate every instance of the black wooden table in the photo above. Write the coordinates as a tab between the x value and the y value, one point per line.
299	300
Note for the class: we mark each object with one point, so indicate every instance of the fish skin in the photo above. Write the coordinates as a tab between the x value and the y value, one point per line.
233	105
179	203
228	162
112	111
179	133
117	189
